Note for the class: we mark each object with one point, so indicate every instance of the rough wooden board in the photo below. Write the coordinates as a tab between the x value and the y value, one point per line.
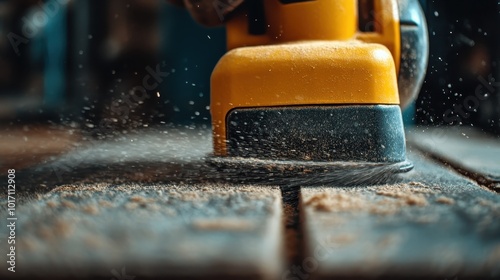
147	202
464	148
434	223
150	230
145	156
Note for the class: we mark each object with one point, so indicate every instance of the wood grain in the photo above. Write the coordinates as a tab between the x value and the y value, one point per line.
151	230
433	223
470	151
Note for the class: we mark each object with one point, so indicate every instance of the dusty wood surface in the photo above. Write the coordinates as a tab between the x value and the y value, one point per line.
142	203
151	230
147	202
433	223
473	153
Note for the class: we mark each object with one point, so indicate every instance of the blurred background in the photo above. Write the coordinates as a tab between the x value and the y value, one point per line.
115	65
462	85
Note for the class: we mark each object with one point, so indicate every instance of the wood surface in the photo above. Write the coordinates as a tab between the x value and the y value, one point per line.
433	223
146	203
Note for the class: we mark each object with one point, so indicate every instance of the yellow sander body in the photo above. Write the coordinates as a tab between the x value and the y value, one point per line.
313	85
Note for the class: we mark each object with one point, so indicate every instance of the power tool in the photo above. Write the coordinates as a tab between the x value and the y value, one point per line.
317	86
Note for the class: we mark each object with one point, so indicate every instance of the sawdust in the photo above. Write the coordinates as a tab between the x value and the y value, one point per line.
336	202
341	239
62	228
426	219
105	203
493	207
68	204
445	200
485	202
170	212
52	204
90	209
396	198
186	196
386	207
142	200
333	220
223	225
388	241
409	198
411	193
343	202
418	184
69	195
131	206
183	191
74	188
154	207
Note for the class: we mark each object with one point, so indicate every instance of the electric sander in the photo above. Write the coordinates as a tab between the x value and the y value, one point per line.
314	89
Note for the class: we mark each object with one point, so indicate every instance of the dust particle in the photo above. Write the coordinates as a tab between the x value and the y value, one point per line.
318	202
427	219
68	204
485	202
223	225
342	239
106	203
170	212
62	228
325	202
52	204
141	199
131	206
154	207
91	209
418	184
407	196
416	200
445	200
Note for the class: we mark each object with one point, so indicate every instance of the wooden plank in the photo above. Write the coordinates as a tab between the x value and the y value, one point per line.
472	152
146	203
432	223
151	230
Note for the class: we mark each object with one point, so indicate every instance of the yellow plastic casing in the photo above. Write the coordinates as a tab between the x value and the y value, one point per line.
311	54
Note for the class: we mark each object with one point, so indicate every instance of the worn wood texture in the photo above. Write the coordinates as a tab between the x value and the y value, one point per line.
470	151
169	155
434	223
142	203
147	204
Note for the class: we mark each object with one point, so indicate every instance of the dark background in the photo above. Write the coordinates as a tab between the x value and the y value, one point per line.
81	62
460	85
